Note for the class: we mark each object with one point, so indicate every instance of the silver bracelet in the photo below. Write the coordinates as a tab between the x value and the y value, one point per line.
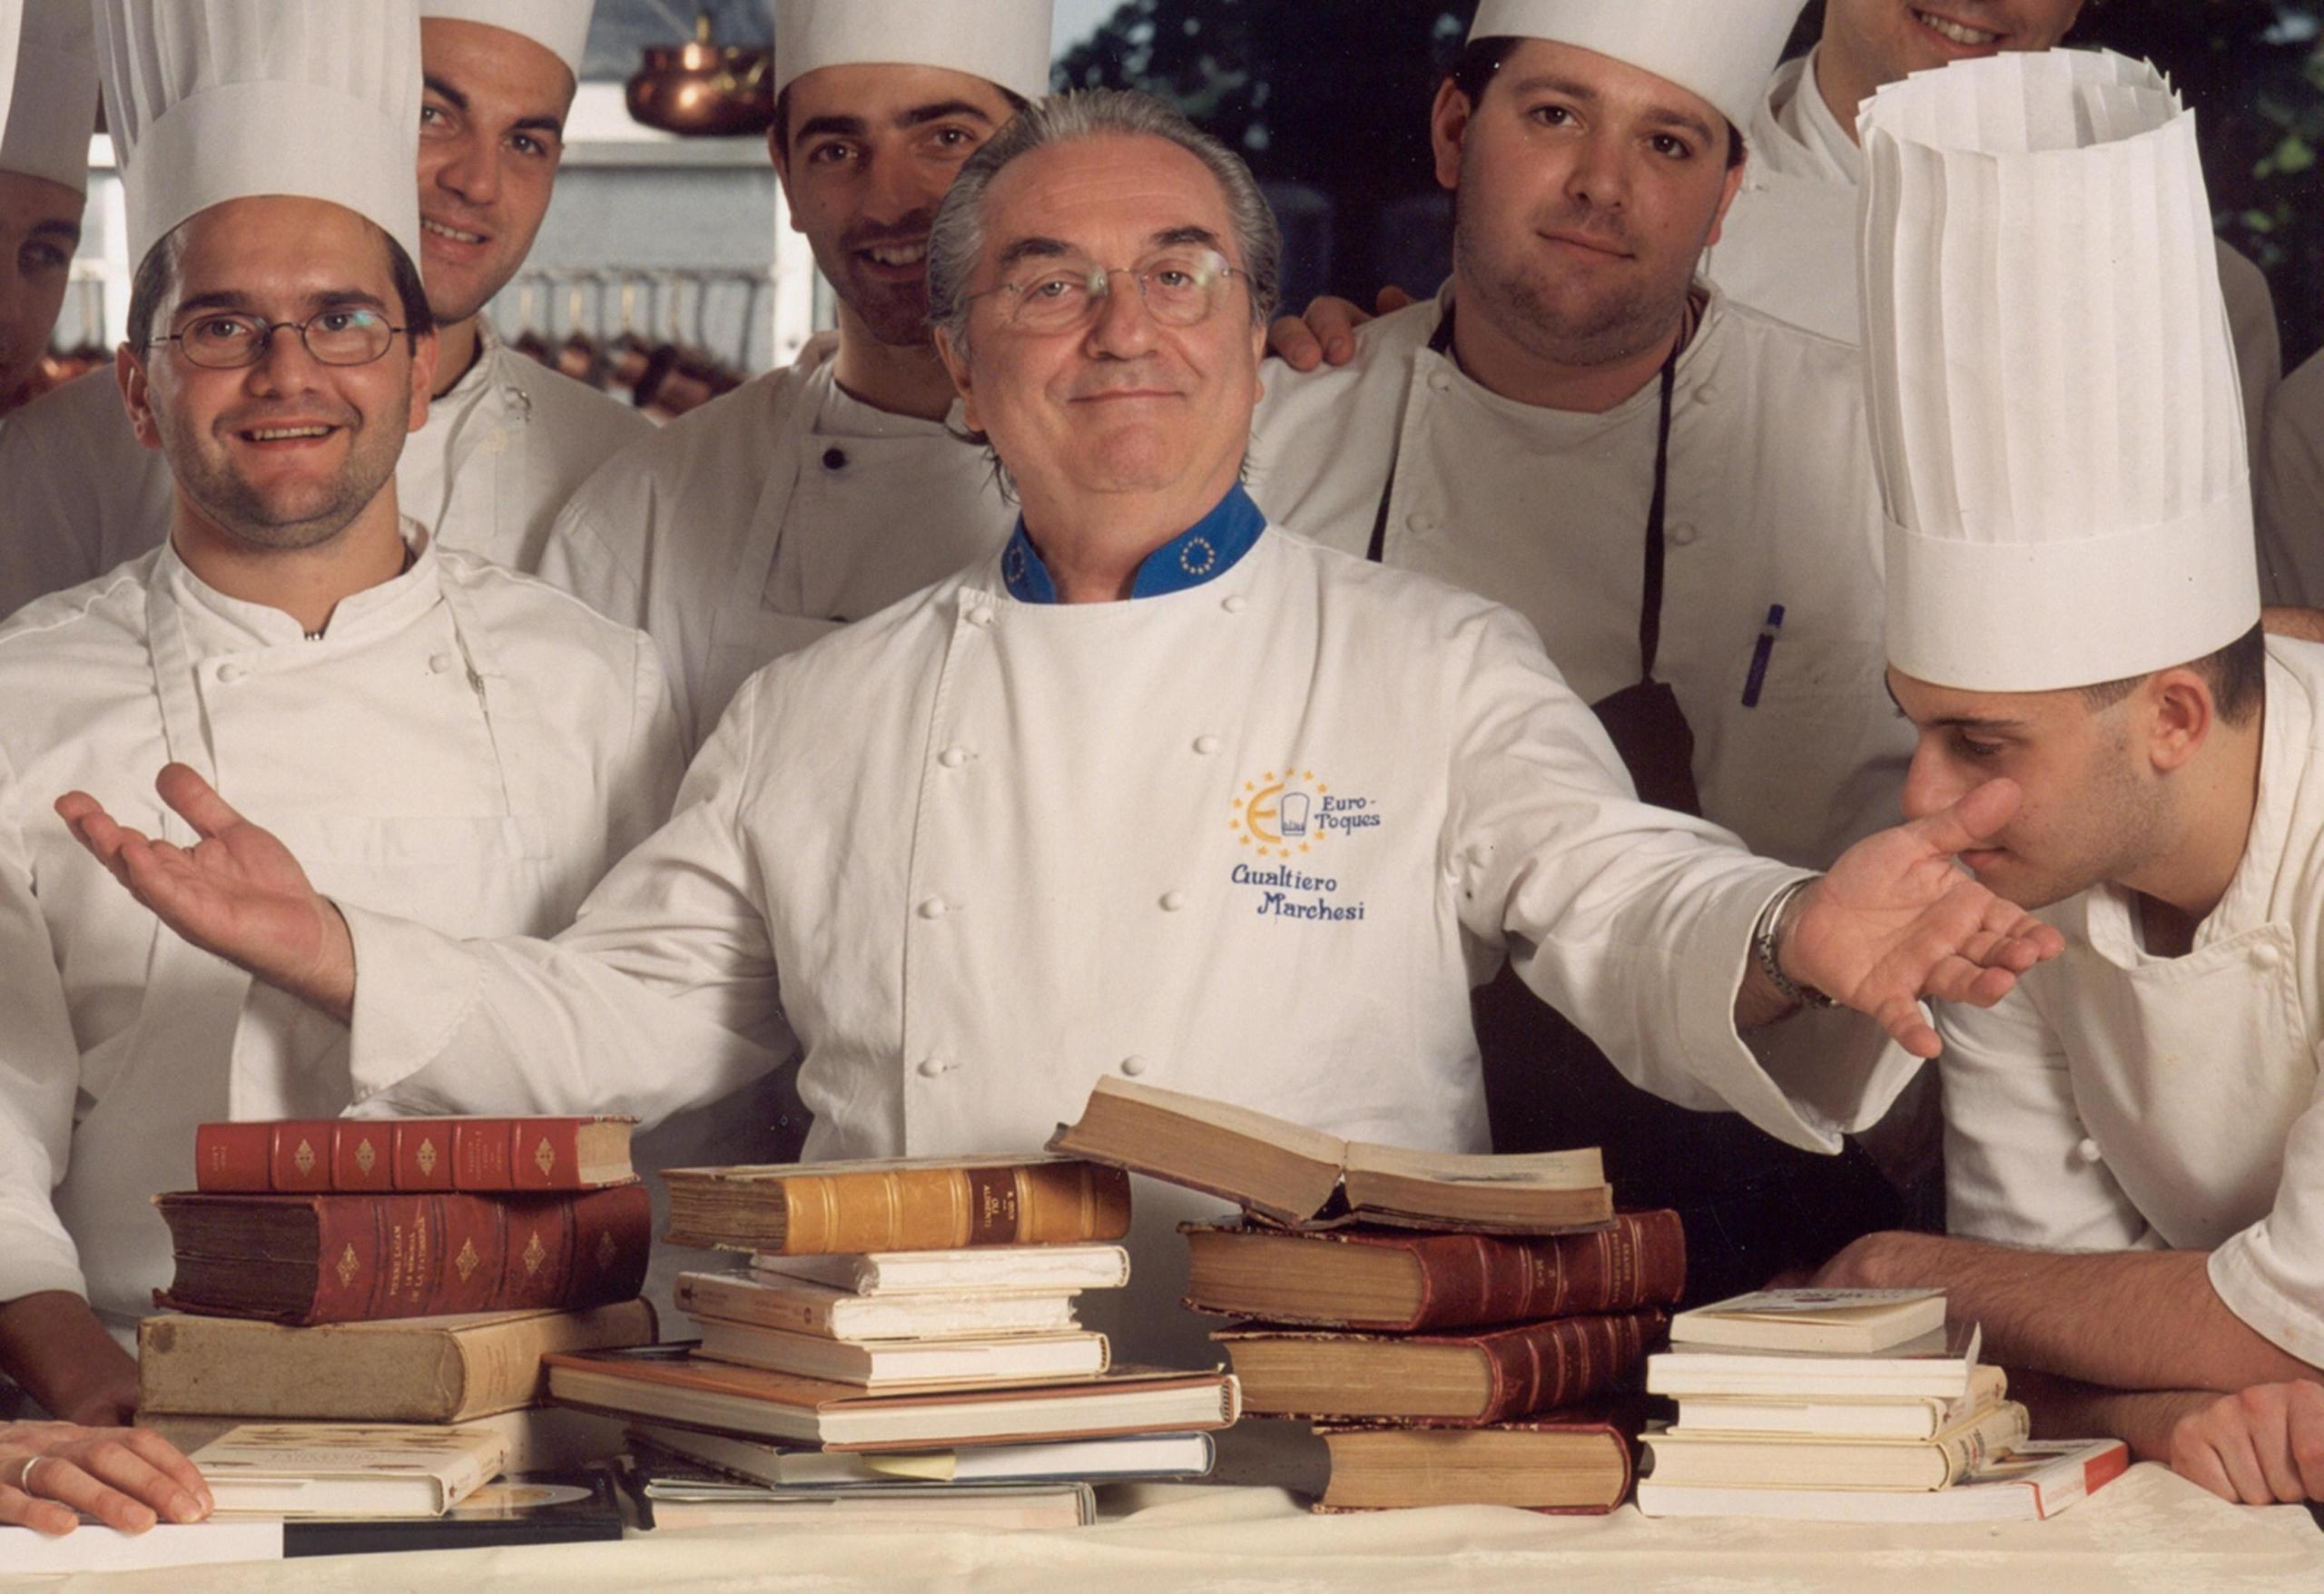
1763	946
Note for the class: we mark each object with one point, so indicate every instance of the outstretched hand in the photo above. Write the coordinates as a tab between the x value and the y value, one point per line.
237	893
1895	920
1327	333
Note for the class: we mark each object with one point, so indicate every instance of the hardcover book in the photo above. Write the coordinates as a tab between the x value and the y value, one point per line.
311	1259
347	1469
672	1499
576	1507
1576	1465
406	1370
1840	1417
1937	1366
1750	1460
1401	1282
897	1204
909	1364
799	1306
1299	1178
1441	1379
2039	1480
1854	1321
666	1386
303	1155
991	1271
1137	1455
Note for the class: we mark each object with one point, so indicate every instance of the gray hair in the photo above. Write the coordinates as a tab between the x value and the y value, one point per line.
956	241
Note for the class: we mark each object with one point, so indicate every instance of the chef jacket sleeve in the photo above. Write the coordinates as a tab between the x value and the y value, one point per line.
40	1076
1634	921
661	996
2272	1274
2017	1163
655	763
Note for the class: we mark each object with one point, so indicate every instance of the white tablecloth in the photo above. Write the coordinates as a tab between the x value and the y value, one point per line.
2147	1531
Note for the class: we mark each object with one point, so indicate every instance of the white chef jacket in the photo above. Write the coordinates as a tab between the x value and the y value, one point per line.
464	745
1789	243
1771	501
749	527
2291	491
2117	1098
499	453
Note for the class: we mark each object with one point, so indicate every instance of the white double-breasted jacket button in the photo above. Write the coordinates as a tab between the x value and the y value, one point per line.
934	907
2266	956
1133	1067
931	1067
230	673
2087	1149
1208	745
1236	604
1684	535
1173	900
443	663
952	758
1441	381
982	616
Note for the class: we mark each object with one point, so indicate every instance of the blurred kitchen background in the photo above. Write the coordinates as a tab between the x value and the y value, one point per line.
664	242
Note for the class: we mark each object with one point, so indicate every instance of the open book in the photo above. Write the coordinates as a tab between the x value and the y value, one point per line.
1303	1178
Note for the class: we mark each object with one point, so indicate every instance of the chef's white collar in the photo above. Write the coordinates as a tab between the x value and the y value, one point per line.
219	624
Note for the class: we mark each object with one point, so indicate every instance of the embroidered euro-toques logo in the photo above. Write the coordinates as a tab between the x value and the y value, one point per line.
1287	814
1276	813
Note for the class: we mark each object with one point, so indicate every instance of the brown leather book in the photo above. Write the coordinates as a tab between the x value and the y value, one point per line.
839	1208
302	1155
309	1259
1571	1464
1400	1282
412	1370
1452	1380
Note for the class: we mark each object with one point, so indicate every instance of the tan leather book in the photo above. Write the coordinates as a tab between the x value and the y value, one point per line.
1574	1464
1302	1178
898	1203
403	1369
664	1385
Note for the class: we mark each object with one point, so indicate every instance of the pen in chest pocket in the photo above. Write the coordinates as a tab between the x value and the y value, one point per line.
1760	653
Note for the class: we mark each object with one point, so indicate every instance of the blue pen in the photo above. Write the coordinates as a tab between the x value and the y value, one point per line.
1767	646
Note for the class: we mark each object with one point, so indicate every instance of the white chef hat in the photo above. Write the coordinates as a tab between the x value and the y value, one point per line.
1722	50
558	27
44	125
1004	41
2055	412
215	100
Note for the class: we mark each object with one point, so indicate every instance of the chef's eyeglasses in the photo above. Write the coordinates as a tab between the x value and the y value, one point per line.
1181	288
349	335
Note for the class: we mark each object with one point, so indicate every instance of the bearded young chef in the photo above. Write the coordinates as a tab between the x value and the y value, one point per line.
2135	1151
44	181
823	493
1675	490
508	440
444	737
1790	244
1154	790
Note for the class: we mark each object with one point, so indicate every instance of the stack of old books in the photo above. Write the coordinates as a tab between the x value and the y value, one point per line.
1849	1405
360	1311
1451	1324
903	1348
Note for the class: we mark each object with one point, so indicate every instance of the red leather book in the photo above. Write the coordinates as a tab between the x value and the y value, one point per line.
295	1155
341	1258
1402	1282
1441	1380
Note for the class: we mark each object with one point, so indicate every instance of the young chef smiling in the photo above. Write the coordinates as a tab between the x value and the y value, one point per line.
507	441
444	734
1014	876
2134	1135
1675	490
818	494
44	181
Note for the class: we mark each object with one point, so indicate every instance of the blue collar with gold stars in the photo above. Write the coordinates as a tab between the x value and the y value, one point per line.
1204	551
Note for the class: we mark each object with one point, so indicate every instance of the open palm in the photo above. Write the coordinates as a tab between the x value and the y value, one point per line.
1895	920
237	893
